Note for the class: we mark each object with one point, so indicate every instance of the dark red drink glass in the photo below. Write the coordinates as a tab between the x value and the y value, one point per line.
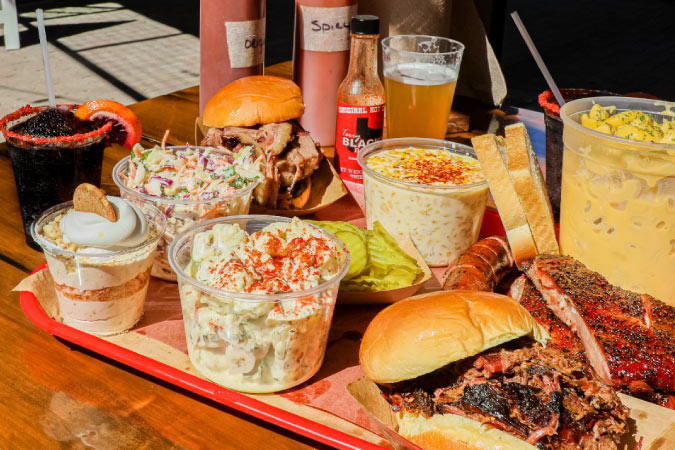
554	144
48	169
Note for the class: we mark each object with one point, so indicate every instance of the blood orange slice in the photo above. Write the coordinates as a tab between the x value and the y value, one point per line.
126	128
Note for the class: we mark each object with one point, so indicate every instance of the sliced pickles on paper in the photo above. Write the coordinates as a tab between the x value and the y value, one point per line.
377	261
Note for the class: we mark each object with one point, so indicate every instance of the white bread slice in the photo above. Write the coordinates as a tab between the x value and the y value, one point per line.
528	182
491	151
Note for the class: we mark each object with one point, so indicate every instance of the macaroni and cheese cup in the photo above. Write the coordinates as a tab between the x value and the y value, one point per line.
181	214
617	213
251	342
100	291
442	220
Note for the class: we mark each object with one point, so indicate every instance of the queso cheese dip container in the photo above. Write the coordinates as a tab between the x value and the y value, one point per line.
617	213
429	189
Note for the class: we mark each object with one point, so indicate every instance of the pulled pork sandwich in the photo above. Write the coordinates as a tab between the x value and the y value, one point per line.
260	111
468	370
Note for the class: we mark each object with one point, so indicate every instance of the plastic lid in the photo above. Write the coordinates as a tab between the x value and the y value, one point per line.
365	24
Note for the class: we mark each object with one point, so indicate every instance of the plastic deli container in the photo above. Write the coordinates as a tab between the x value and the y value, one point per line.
442	221
101	292
617	213
182	214
251	342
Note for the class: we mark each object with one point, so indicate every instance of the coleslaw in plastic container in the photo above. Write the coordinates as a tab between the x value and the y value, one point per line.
189	185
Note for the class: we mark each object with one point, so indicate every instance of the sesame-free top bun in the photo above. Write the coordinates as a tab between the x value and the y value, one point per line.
249	101
420	334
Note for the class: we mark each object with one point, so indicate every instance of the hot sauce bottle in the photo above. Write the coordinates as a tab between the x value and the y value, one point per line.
360	112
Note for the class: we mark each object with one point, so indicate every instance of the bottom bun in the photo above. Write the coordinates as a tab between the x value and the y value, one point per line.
453	432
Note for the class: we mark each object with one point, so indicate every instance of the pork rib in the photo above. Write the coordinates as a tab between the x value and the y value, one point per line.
565	340
562	337
629	338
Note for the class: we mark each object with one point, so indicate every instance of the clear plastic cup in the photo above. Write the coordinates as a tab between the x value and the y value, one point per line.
101	292
442	221
250	342
617	212
420	77
182	214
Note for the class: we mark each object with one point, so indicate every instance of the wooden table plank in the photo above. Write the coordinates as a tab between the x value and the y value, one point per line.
54	395
14	246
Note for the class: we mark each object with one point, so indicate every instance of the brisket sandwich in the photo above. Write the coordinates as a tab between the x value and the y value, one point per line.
469	370
261	111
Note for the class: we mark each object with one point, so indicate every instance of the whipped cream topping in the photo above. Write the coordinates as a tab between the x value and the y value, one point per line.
92	230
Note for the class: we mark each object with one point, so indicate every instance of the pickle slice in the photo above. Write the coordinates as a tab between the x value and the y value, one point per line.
385	252
377	261
335	227
358	253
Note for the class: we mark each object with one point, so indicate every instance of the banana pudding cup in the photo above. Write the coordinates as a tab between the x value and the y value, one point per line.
431	190
257	294
100	268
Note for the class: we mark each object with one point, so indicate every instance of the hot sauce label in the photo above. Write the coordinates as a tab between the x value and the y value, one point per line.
357	126
326	29
246	43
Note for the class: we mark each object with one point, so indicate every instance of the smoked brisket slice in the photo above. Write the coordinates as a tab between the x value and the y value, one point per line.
534	393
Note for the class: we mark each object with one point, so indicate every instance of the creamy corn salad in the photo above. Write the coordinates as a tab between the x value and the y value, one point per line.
442	214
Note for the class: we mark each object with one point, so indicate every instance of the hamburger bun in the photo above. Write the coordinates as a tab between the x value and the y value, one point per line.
453	432
254	100
420	334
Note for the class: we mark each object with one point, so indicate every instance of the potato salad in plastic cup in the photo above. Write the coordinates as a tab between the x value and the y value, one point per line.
257	294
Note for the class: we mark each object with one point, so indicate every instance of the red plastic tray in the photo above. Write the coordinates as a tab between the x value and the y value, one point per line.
31	307
288	421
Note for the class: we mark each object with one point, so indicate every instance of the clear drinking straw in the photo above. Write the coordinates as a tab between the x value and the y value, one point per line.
537	57
45	56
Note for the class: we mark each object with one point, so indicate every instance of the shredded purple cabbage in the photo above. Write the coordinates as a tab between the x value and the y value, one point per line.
163	181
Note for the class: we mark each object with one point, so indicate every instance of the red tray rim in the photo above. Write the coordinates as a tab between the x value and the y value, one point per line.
204	388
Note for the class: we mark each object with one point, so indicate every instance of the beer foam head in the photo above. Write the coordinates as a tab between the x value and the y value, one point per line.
421	74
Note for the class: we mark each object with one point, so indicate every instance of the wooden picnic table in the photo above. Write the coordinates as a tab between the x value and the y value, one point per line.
57	395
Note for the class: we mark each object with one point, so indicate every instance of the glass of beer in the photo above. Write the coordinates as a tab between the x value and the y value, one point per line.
420	75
